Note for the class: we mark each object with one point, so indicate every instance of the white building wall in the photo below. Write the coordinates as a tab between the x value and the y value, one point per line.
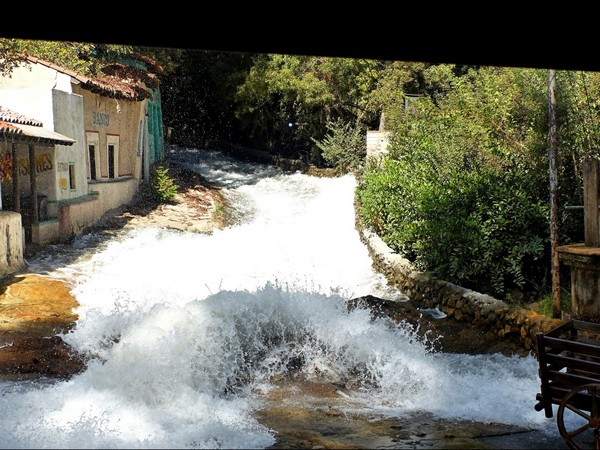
115	194
33	103
28	90
76	217
68	120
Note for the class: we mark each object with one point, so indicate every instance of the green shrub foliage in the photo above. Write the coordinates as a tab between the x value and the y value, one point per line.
343	146
464	190
162	187
482	229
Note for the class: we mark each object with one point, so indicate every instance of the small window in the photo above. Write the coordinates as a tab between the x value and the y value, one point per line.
92	160
112	155
111	161
71	176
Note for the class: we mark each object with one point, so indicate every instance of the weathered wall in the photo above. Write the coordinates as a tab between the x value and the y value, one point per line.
28	90
68	120
464	305
75	217
44	157
11	243
114	120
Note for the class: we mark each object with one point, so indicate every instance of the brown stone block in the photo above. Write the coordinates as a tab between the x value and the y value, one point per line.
524	332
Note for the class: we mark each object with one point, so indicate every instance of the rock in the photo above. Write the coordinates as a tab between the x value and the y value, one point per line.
446	334
34	312
42	356
379	307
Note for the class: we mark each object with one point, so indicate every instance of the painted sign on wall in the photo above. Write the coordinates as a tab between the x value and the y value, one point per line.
100	119
43	163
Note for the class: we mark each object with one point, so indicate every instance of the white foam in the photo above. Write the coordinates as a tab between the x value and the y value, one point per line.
183	327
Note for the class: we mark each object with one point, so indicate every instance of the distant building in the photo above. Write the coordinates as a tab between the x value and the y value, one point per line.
408	101
377	142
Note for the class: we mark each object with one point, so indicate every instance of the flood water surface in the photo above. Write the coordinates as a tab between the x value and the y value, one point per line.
213	340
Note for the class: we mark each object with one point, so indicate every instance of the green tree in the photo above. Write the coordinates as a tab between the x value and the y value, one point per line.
344	146
287	101
84	58
198	97
160	187
10	55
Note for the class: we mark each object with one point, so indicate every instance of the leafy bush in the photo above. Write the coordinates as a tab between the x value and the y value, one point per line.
388	195
161	186
343	146
483	229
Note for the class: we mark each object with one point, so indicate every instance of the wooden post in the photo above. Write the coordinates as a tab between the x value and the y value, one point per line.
33	182
15	180
555	264
591	202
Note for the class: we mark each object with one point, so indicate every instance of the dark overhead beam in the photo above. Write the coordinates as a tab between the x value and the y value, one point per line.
470	33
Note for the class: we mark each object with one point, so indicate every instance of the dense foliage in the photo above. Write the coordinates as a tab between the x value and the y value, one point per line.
198	98
286	103
343	147
464	190
82	57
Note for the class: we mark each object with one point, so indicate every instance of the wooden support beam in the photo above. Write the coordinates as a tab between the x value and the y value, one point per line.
15	180
33	183
591	202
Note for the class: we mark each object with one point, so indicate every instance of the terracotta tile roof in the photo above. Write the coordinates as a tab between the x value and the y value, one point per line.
150	63
131	74
15	127
6	115
108	85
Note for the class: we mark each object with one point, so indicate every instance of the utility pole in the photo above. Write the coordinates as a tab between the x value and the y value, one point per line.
555	261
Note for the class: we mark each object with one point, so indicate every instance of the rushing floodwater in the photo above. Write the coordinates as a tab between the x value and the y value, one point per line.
184	329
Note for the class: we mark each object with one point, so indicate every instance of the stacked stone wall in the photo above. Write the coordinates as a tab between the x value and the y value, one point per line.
464	305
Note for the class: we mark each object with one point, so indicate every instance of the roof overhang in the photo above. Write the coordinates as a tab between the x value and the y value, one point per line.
16	132
108	86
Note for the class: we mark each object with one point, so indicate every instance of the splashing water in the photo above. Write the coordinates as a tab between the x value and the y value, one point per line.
183	329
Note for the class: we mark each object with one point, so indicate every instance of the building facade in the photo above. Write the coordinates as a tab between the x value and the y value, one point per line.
106	117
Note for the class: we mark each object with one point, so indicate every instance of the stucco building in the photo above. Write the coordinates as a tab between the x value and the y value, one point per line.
30	152
112	122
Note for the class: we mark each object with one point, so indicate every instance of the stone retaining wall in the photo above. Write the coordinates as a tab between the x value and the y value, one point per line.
464	305
11	243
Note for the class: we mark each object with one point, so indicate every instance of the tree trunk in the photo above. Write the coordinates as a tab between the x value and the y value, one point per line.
555	264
